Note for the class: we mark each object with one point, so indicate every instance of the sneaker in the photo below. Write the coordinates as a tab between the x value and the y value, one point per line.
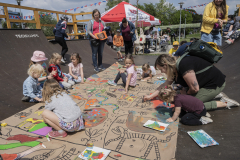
119	59
229	102
123	58
25	99
208	115
206	120
229	41
96	69
55	134
62	60
101	68
112	83
221	94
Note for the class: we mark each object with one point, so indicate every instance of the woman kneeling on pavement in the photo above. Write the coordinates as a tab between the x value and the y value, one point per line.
205	86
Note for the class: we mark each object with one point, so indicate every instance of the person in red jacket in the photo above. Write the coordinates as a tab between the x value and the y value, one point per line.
59	76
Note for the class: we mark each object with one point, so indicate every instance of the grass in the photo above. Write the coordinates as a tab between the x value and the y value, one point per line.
188	37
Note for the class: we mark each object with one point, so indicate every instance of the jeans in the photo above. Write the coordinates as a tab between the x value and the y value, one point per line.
128	47
206	95
62	43
97	52
216	38
147	44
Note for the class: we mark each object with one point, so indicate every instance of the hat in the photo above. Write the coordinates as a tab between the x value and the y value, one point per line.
38	56
175	43
118	30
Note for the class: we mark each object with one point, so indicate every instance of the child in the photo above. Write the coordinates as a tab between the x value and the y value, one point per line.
76	69
118	42
174	49
39	58
61	112
131	77
148	72
59	76
31	90
192	109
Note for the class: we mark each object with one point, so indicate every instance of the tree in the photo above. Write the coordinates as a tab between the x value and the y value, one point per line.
175	19
46	19
196	18
4	24
165	11
236	12
14	26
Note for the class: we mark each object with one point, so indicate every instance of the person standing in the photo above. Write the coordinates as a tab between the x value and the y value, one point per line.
127	29
172	34
95	26
215	14
60	33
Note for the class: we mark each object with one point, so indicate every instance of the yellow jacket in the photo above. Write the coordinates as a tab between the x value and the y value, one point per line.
209	17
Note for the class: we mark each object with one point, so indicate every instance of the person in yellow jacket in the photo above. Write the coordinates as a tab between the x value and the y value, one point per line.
174	49
215	14
118	42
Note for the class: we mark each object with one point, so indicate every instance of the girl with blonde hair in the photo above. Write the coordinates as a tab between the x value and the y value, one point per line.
32	91
59	76
147	72
61	112
192	110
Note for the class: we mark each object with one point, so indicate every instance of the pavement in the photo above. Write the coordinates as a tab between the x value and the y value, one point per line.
17	47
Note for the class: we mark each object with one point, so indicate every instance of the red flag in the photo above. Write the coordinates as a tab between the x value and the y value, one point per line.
91	4
99	3
65	11
85	6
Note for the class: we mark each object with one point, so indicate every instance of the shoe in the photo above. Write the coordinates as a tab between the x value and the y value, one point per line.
229	41
229	102
101	68
55	134
206	120
96	69
123	58
221	94
119	59
25	99
62	60
208	115
112	83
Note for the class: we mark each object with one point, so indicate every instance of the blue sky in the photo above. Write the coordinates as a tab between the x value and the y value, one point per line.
60	5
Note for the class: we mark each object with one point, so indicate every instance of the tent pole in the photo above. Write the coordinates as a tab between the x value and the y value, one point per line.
136	22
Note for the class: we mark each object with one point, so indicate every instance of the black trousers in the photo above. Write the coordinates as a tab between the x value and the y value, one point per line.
121	75
173	36
147	44
62	43
192	119
128	47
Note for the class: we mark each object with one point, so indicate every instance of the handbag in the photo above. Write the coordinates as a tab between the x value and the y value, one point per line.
95	42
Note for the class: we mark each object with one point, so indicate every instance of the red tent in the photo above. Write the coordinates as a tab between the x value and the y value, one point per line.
124	9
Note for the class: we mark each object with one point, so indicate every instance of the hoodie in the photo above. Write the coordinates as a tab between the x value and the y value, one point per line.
59	30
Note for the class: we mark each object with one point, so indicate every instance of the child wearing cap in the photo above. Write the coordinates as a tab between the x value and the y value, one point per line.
40	58
174	49
118	42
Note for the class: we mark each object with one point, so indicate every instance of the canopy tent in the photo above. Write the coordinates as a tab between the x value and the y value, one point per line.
124	9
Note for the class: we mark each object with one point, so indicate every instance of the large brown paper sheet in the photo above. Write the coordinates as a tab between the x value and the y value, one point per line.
116	125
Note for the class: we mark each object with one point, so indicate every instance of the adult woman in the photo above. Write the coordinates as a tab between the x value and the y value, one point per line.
97	50
204	86
215	14
127	29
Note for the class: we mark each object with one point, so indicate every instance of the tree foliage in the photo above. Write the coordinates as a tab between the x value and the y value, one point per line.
14	26
236	12
47	19
4	24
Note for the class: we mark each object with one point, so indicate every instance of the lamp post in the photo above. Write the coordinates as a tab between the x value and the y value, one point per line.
19	3
181	3
185	26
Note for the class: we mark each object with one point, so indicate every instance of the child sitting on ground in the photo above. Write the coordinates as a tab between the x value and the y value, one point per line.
61	112
118	42
192	110
39	58
59	76
147	72
75	69
32	91
174	49
131	77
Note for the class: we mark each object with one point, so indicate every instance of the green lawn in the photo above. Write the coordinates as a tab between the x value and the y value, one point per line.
188	37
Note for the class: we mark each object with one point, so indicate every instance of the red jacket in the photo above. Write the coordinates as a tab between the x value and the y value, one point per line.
53	67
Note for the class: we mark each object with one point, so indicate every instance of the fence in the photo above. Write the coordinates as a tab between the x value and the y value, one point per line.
37	18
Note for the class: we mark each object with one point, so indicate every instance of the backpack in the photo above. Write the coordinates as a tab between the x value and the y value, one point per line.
207	50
